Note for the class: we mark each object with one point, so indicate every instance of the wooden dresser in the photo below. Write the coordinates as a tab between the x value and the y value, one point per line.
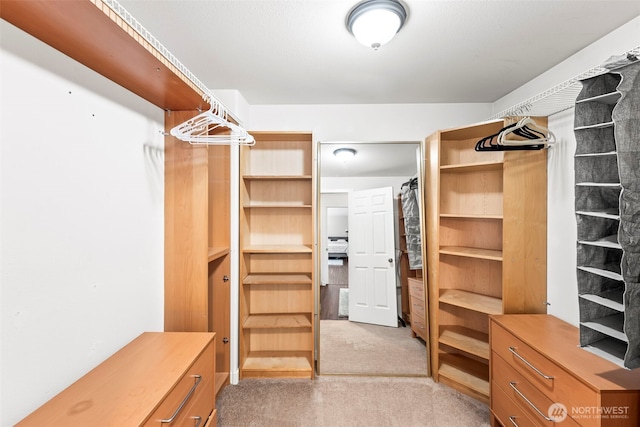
540	377
159	379
418	313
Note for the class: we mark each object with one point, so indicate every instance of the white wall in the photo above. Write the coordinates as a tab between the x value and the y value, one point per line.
81	221
380	122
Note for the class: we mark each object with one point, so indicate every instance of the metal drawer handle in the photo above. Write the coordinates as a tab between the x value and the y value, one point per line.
184	401
198	420
546	377
512	418
513	386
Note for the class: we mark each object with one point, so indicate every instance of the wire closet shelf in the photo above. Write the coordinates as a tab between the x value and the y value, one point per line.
558	98
216	126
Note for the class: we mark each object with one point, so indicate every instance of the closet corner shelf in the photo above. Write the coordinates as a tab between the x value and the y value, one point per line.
277	177
217	252
277	363
472	167
277	278
471	301
277	321
465	339
463	251
464	371
277	249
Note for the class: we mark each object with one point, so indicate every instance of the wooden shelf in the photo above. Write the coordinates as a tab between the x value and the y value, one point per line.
283	320
215	253
277	177
464	374
471	301
277	249
465	339
96	37
276	206
471	216
222	379
276	279
472	167
277	364
472	252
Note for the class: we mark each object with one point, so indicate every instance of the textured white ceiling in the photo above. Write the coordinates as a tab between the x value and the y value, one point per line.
299	51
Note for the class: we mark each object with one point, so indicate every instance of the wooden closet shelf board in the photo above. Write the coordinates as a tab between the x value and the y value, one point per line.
271	279
472	167
277	361
94	36
467	132
215	253
284	320
472	252
471	301
465	339
276	206
277	249
471	216
277	177
465	372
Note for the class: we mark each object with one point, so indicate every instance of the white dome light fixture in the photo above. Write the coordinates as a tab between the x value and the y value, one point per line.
375	22
344	154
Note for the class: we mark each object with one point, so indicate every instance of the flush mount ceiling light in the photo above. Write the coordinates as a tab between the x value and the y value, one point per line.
375	22
344	154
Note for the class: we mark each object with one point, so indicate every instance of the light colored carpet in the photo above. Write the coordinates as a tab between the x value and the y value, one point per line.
349	401
359	348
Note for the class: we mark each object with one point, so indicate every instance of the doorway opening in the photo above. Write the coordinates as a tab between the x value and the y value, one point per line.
346	346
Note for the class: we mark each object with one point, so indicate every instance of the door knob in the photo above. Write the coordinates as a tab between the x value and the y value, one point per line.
390	259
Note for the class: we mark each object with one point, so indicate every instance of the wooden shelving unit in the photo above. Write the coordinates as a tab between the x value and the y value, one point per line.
277	256
486	247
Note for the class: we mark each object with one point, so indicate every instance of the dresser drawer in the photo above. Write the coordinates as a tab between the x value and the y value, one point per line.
194	392
553	381
528	398
416	288
508	413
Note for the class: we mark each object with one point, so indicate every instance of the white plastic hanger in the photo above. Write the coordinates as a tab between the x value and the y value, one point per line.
212	127
527	133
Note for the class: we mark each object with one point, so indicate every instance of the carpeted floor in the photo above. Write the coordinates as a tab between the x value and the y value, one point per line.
359	348
349	401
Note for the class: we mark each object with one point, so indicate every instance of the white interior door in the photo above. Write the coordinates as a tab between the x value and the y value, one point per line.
372	285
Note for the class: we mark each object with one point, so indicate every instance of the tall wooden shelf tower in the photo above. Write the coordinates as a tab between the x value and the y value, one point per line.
486	247
277	256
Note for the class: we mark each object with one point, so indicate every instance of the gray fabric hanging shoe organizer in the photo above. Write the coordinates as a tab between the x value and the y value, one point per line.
607	176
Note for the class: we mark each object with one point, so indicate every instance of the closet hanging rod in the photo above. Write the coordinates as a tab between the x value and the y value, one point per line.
558	98
123	14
